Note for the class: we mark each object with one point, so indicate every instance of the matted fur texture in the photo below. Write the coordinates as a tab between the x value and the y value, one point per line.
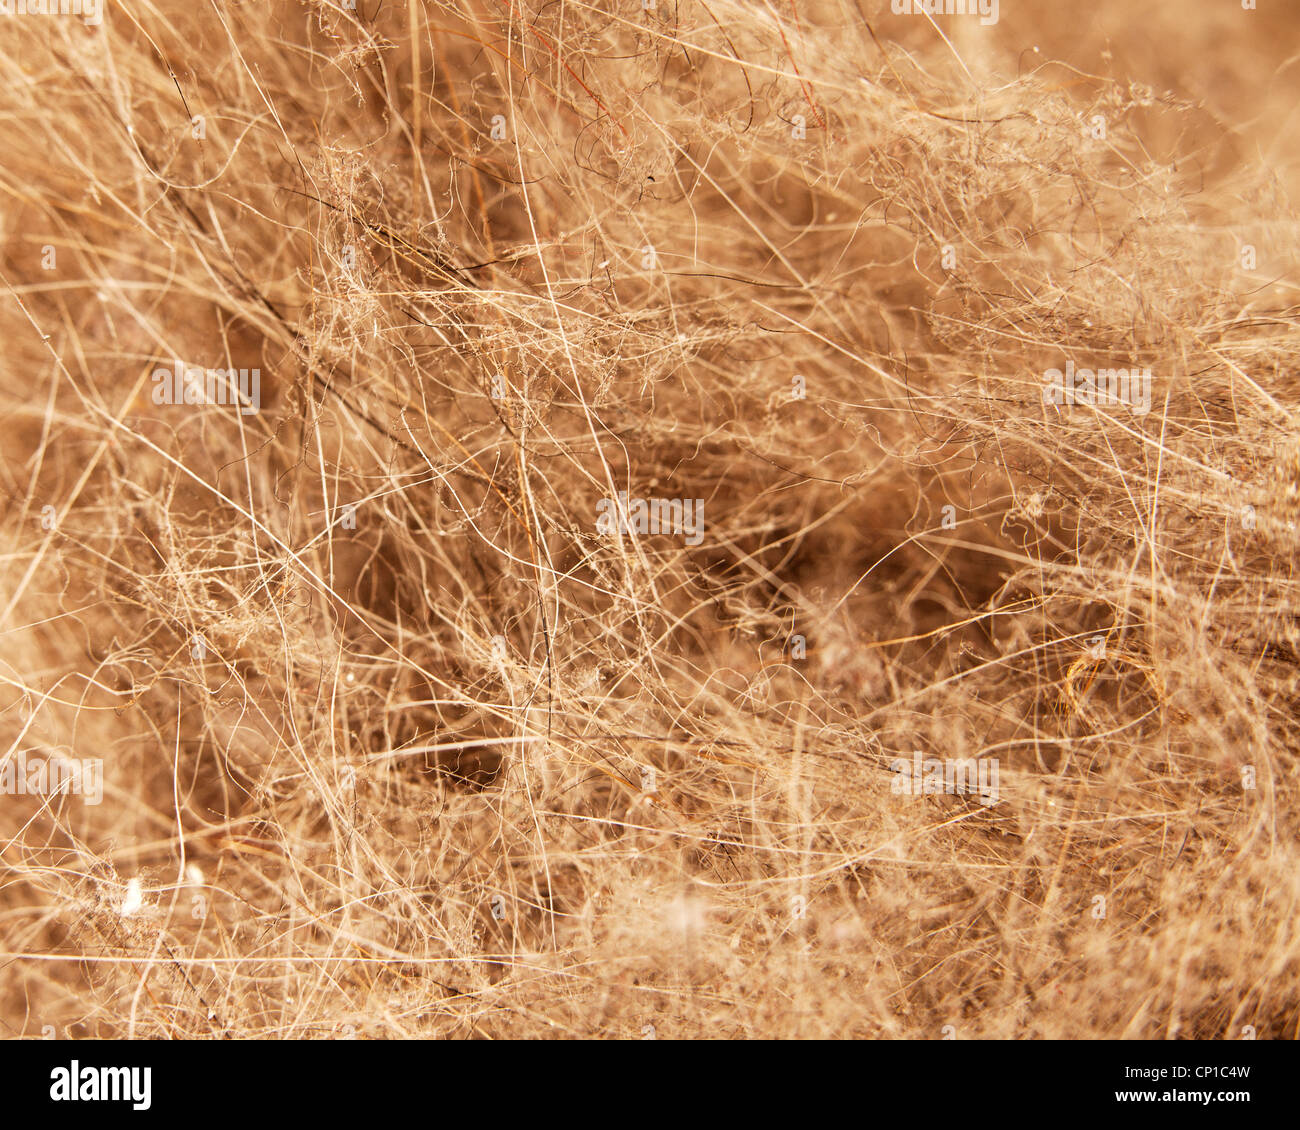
398	739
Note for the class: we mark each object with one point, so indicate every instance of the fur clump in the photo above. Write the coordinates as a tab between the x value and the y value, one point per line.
655	451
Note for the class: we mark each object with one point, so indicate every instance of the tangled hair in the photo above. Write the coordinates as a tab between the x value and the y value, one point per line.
398	739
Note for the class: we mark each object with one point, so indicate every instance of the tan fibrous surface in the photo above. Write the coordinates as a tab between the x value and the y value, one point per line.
396	742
